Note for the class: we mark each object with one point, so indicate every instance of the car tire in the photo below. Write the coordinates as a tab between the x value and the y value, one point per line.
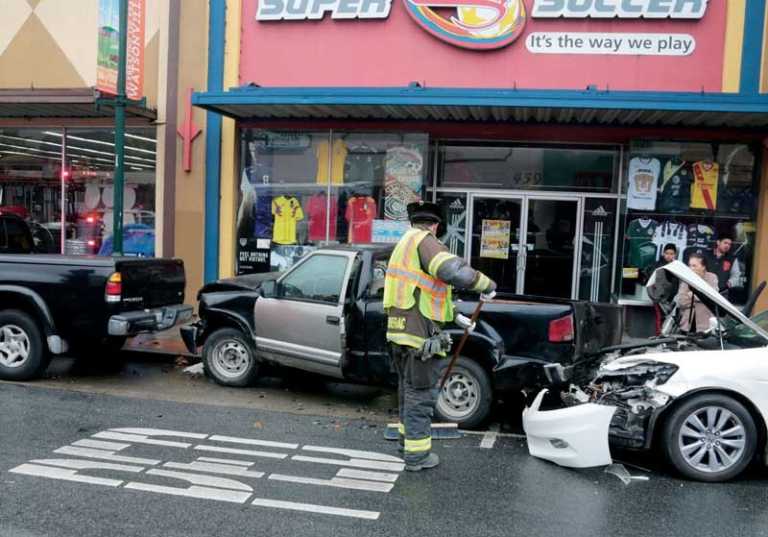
467	396
698	449
23	355
229	358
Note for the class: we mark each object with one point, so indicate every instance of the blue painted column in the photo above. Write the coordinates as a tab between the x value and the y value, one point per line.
752	53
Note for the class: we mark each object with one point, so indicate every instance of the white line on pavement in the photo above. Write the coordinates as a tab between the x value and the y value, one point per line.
312	508
489	438
139	439
253	453
213	468
352	484
65	475
226	461
103	455
99	444
251	441
362	474
206	480
354	463
159	432
354	453
204	493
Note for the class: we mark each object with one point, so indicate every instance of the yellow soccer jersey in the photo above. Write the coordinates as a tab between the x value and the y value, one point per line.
704	188
339	159
287	211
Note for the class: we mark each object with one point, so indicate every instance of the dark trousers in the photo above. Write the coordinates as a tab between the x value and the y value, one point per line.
417	394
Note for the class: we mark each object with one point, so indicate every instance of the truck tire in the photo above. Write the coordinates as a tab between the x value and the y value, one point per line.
229	358
711	437
23	355
467	396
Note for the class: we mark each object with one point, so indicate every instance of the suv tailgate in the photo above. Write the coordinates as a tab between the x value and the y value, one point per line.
151	283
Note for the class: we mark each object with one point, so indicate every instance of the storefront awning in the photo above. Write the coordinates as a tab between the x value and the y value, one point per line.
78	103
415	103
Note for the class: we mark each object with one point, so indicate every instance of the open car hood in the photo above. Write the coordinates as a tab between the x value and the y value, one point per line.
709	296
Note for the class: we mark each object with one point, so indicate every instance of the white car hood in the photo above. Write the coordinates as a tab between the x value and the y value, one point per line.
706	293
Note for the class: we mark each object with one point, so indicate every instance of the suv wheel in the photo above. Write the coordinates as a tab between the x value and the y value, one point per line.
229	358
711	437
467	395
22	352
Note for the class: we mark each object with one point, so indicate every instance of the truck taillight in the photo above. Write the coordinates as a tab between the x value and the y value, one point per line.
561	330
114	290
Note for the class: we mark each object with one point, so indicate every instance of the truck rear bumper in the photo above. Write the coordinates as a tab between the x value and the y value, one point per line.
154	320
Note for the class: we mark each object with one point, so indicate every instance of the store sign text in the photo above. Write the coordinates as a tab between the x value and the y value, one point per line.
623	9
610	43
276	10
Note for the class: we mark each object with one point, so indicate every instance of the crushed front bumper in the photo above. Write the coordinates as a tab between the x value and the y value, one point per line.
190	335
151	320
576	437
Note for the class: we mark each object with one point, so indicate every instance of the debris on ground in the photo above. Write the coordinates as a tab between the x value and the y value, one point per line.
194	370
620	471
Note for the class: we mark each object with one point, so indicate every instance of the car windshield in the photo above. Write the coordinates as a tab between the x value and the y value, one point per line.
743	335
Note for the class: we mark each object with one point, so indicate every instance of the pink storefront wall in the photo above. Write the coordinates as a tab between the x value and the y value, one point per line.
396	51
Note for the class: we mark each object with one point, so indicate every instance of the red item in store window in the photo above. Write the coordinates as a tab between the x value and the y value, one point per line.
317	208
361	210
17	210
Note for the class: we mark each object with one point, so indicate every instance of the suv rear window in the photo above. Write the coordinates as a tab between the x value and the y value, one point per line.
18	239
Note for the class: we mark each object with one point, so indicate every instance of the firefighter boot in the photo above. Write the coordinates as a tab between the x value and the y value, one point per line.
430	461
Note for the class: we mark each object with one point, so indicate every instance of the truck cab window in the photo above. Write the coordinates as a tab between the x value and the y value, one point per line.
18	238
319	279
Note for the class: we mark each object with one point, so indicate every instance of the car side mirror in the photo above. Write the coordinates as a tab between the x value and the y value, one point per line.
268	289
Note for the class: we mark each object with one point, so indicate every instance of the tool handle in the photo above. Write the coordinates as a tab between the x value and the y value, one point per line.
462	342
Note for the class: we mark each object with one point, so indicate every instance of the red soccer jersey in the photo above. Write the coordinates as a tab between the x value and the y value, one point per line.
361	210
317	208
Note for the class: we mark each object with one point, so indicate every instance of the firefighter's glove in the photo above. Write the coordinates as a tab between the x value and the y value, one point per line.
435	345
487	297
464	322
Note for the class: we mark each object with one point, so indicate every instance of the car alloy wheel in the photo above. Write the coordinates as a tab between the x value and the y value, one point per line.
14	346
230	358
712	439
459	397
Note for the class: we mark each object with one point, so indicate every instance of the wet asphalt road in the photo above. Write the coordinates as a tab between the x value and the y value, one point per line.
476	491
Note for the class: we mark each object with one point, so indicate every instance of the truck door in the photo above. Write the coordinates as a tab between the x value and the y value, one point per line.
303	325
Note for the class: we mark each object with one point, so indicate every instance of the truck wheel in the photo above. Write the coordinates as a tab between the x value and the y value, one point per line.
467	395
229	358
22	352
710	437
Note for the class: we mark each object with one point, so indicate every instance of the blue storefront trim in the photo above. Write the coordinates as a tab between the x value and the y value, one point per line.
217	26
752	52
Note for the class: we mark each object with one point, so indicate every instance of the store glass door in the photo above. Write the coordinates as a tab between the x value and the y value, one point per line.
495	239
549	254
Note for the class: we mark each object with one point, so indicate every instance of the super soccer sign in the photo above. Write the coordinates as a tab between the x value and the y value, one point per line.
480	24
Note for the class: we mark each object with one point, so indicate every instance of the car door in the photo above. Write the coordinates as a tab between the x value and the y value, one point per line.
303	325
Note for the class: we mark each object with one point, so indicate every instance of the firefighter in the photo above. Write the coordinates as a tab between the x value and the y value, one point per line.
417	300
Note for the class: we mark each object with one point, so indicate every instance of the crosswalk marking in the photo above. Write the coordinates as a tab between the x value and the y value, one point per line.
253	442
236	451
312	508
354	463
362	474
352	484
214	468
103	455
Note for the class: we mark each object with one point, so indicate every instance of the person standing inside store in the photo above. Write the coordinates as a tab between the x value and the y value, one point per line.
417	299
666	281
724	265
694	315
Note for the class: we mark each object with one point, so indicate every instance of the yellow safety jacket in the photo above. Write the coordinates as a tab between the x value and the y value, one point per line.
404	276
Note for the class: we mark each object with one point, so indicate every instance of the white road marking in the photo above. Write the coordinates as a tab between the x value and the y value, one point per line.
362	474
159	432
100	444
139	439
214	468
354	463
235	451
312	508
352	484
103	455
51	472
252	442
79	464
354	453
206	480
226	461
489	438
203	493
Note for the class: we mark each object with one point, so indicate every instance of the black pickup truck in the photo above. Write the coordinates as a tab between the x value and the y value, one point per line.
325	316
50	303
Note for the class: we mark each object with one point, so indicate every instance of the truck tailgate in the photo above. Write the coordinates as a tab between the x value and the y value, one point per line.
151	283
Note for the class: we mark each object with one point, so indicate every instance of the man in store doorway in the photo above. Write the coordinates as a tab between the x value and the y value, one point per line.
724	265
417	300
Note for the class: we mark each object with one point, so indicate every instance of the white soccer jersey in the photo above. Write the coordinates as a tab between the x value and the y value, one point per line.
643	180
670	232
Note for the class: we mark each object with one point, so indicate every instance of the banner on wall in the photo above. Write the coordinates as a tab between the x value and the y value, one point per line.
403	181
109	48
494	240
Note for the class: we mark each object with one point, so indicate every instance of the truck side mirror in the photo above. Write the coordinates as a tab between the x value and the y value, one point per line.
268	289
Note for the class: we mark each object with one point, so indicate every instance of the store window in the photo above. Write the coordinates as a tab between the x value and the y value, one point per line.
597	248
698	197
43	170
516	167
453	231
300	190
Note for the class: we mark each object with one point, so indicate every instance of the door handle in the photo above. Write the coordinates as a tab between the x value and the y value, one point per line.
332	319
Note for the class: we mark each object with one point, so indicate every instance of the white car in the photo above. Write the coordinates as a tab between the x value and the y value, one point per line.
701	400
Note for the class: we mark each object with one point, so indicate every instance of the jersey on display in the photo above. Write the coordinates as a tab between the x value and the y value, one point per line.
287	211
670	232
317	209
642	250
365	165
643	176
736	200
704	190
700	240
674	194
339	159
361	210
262	215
